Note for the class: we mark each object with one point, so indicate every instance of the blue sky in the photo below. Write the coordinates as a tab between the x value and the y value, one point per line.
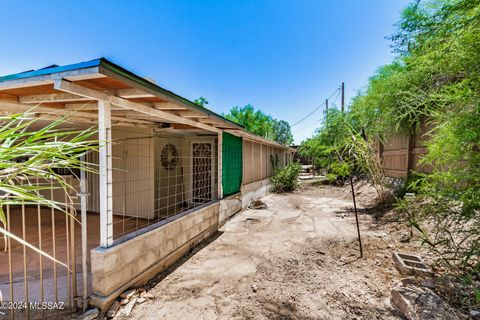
284	57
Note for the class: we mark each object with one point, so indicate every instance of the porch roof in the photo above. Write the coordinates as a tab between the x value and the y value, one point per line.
57	90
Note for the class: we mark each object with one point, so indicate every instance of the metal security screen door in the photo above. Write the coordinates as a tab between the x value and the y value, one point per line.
202	171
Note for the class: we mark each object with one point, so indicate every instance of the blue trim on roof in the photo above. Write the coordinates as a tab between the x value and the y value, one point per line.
102	62
42	72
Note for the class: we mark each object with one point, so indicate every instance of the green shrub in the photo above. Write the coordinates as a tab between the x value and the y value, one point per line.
286	179
331	177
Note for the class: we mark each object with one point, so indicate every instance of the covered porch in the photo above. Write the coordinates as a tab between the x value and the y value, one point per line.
159	178
158	157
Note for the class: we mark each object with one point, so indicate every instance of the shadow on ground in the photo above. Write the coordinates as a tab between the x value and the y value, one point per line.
194	250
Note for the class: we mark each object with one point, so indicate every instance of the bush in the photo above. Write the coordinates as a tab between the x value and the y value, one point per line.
340	149
433	80
286	179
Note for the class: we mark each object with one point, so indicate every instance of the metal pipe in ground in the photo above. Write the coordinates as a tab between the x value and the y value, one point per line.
356	217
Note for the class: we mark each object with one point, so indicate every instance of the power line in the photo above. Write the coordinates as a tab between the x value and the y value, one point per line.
308	115
318	121
335	100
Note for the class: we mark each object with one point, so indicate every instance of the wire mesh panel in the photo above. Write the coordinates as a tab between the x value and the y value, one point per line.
158	175
202	170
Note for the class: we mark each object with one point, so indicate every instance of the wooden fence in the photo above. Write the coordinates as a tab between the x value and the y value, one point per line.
401	153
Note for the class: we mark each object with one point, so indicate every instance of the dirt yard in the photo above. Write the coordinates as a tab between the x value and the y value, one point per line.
298	259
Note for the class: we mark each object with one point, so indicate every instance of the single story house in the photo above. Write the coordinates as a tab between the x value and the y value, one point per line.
170	172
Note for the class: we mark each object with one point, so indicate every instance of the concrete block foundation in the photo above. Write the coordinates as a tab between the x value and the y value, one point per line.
137	260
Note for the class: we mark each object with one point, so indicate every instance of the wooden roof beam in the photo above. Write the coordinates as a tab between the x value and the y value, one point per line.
14	107
165	96
70	87
93	122
190	114
168	106
129	114
68	97
8	97
132	93
86	106
71	75
209	120
54	97
217	123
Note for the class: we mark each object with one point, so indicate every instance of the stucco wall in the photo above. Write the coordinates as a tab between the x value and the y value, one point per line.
133	174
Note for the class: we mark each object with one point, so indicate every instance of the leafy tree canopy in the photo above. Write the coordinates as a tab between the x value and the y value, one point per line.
434	79
202	101
257	122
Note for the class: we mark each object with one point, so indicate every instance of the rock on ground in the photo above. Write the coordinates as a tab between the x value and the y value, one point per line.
416	303
89	315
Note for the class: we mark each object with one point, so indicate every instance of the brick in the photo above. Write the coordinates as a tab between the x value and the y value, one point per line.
173	229
193	231
181	240
409	264
197	218
187	223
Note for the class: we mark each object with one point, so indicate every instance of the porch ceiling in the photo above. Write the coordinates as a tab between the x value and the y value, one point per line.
135	101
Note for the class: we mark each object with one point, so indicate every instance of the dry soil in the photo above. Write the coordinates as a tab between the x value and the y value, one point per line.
297	259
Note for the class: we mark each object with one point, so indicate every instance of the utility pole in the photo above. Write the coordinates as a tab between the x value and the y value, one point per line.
326	108
343	96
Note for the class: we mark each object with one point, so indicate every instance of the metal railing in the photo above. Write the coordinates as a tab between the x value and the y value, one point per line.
32	285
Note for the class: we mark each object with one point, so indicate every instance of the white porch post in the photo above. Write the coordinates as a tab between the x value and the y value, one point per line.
105	173
83	206
220	152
